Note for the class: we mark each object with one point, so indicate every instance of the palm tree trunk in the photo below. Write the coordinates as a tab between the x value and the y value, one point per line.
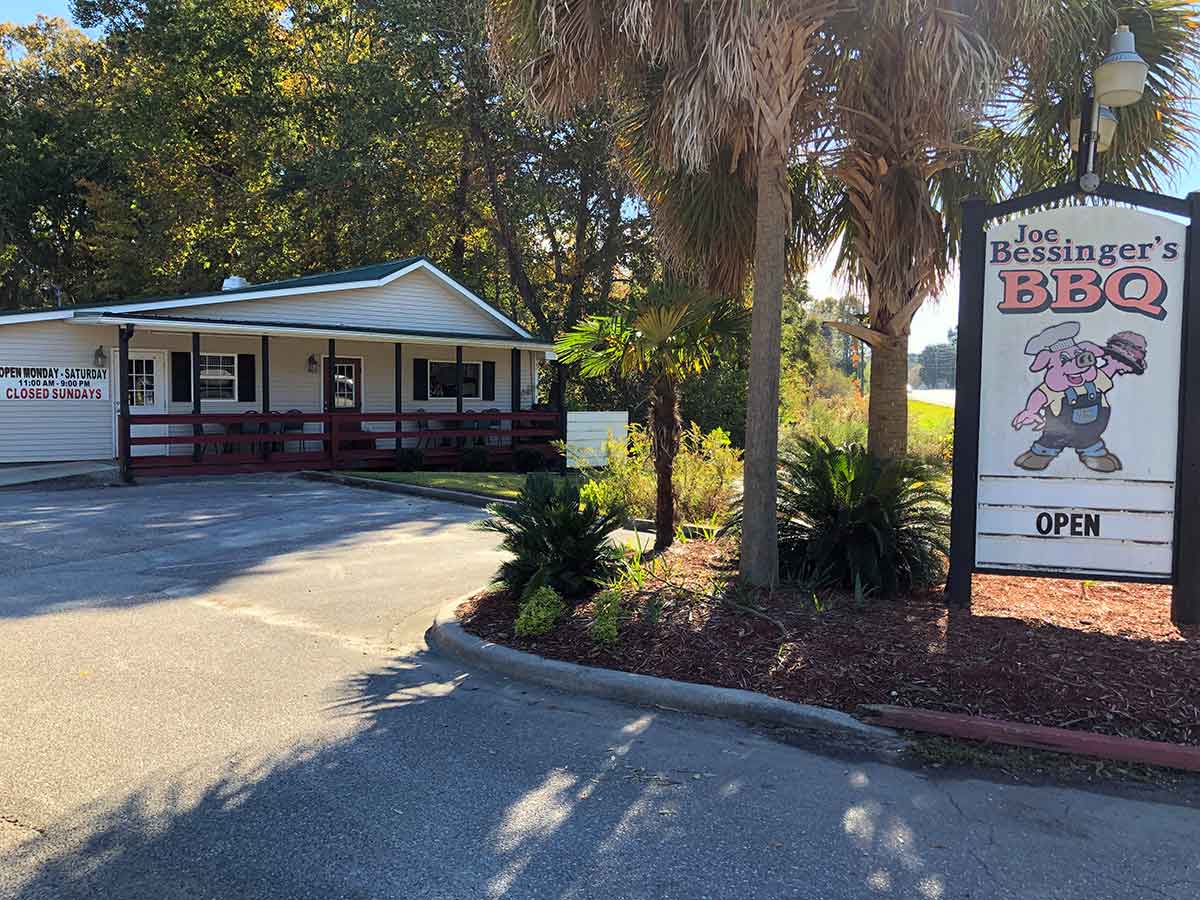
887	411
760	531
664	435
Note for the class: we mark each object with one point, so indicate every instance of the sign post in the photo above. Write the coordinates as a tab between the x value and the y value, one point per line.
1075	453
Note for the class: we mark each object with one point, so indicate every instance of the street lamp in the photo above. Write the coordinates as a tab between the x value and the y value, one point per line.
1119	80
1108	130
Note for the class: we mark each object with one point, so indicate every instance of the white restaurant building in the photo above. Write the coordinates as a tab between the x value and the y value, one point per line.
227	381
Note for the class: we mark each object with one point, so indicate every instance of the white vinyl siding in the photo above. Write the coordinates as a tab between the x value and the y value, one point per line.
417	301
53	430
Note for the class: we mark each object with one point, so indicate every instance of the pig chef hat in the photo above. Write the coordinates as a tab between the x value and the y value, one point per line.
1056	337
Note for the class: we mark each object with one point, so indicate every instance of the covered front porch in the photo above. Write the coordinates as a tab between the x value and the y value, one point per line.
207	396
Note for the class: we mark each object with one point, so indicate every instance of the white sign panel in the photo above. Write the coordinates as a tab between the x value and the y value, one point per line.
25	383
1079	395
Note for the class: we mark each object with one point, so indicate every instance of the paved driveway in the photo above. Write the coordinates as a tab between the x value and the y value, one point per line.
217	690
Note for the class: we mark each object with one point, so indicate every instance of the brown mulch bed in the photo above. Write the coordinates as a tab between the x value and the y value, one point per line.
1094	656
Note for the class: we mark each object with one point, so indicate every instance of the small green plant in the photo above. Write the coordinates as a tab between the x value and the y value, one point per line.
525	459
539	612
878	528
652	611
605	629
474	459
632	571
706	471
554	535
409	459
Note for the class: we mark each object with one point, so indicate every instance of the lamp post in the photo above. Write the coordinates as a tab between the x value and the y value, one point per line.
1120	80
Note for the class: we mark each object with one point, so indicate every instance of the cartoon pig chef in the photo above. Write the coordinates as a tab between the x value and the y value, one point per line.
1070	407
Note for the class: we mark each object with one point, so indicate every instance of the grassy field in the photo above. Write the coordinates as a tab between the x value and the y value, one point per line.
930	416
505	485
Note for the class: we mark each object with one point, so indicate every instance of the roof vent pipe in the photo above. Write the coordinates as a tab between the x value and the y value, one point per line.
233	282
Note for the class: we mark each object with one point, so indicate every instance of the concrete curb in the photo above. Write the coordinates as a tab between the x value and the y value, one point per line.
449	637
395	487
645	526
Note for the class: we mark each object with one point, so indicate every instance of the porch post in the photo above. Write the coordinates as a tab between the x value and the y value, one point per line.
458	378
265	427
329	405
560	403
197	428
266	374
515	377
123	447
398	375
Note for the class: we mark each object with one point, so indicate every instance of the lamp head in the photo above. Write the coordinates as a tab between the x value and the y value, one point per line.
1121	78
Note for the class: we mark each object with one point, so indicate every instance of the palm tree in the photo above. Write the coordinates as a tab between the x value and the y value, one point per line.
718	93
664	335
933	103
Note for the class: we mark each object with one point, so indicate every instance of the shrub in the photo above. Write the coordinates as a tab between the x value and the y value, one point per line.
525	459
606	624
876	527
474	459
539	612
555	536
830	406
409	459
707	468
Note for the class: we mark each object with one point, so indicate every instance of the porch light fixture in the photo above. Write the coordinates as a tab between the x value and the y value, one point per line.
1119	80
313	363
100	358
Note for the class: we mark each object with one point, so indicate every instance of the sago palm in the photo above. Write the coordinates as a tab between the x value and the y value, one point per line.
665	335
718	91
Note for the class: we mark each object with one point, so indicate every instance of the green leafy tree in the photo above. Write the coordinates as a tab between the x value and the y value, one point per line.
664	335
198	138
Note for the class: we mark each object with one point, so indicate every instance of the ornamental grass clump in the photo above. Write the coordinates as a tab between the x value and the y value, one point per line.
556	537
878	527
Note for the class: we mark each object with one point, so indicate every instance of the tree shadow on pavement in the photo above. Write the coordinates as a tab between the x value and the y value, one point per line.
456	786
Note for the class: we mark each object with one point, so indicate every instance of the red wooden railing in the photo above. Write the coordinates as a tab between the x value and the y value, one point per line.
274	442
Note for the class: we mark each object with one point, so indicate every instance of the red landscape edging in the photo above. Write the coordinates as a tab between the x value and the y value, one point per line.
1039	737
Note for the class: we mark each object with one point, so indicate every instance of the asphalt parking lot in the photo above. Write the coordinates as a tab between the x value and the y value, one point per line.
219	689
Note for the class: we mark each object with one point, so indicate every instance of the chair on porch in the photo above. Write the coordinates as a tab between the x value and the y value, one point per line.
492	437
423	425
253	425
233	428
212	429
293	426
274	427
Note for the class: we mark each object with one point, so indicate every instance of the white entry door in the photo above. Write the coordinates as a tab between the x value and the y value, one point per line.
148	385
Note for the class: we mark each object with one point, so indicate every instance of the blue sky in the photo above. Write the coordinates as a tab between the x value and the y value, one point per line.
929	326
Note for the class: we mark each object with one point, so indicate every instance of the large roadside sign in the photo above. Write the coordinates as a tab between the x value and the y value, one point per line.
1079	402
1071	432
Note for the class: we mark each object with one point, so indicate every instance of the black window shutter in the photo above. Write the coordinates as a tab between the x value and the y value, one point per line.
420	379
489	380
181	377
245	378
